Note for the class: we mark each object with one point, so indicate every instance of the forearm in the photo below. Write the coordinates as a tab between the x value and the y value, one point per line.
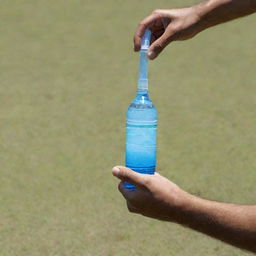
159	198
213	12
231	223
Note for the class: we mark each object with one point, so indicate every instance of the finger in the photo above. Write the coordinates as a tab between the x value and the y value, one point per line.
122	189
128	175
158	33
140	30
156	48
153	38
125	192
131	208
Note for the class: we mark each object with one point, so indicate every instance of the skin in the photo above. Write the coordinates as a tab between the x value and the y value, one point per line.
168	25
158	197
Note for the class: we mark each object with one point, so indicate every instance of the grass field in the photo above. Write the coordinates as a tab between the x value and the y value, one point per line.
68	73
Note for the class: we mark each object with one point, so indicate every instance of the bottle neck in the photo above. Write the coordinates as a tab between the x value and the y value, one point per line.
143	84
142	92
143	71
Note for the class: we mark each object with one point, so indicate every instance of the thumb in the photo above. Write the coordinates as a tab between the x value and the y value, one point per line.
157	46
128	175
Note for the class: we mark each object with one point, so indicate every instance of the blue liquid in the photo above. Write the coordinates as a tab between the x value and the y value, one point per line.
141	130
141	122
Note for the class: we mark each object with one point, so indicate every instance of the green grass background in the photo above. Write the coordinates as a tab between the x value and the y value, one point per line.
67	75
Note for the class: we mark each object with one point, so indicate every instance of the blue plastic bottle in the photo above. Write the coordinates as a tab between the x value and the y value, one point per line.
141	122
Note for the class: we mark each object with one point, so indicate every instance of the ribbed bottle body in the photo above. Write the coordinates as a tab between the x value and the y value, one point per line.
141	135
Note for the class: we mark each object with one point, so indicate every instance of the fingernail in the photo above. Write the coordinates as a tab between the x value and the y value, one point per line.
115	170
151	55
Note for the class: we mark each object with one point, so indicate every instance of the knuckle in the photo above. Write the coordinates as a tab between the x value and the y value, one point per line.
157	11
177	28
158	47
147	181
141	24
122	173
130	209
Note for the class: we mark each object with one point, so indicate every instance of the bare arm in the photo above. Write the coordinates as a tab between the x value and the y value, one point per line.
157	197
231	223
169	25
213	12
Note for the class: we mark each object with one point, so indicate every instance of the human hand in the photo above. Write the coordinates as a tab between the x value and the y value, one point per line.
158	197
155	196
168	25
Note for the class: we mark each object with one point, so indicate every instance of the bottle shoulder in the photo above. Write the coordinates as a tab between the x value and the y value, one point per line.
141	102
139	111
138	106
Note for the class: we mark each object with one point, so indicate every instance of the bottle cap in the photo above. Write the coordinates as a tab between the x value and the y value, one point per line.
145	41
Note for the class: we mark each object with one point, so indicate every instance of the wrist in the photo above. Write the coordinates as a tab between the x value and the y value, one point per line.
188	208
200	11
206	12
179	203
